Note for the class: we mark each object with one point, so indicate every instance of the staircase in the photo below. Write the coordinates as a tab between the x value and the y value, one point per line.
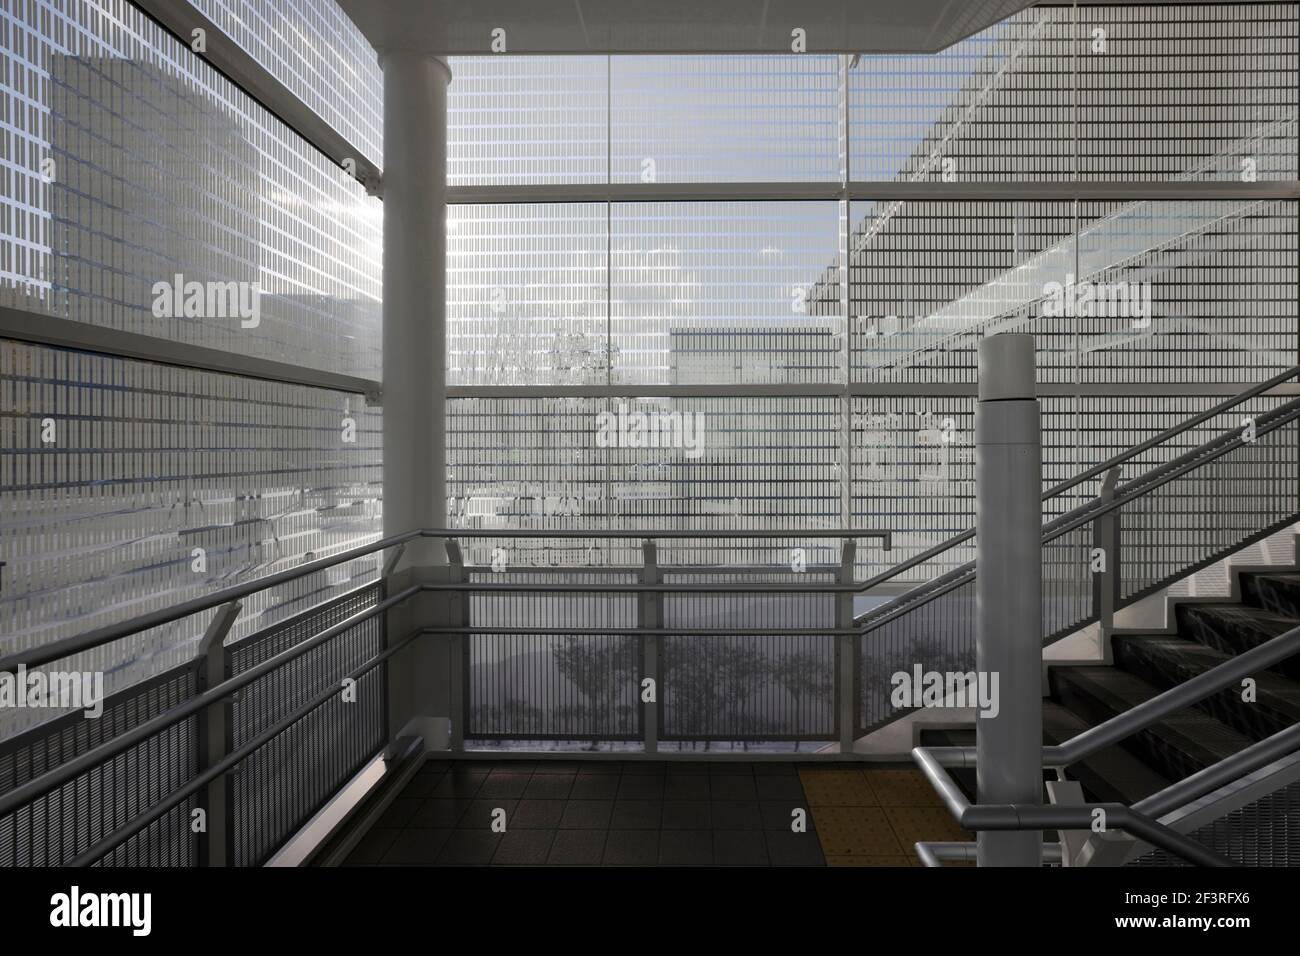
1204	634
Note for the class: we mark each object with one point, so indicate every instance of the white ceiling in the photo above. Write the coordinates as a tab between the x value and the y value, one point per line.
465	27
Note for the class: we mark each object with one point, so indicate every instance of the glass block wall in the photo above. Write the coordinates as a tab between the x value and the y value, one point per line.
866	308
125	485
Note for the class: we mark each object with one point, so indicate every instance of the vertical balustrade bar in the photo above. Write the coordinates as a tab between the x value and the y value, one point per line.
215	734
1106	583
457	647
847	658
649	613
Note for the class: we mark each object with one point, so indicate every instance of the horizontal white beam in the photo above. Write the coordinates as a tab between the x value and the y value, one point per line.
61	333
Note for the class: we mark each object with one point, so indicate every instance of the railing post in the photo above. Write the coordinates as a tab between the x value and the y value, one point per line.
386	572
1009	593
215	733
457	616
650	615
1106	583
847	658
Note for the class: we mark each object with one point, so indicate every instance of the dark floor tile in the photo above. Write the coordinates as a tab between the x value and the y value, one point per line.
767	768
600	768
549	786
586	814
685	848
422	785
739	848
480	814
435	766
603	786
438	813
732	787
631	848
686	815
644	768
416	847
687	768
632	787
577	848
467	847
779	814
693	787
372	847
524	848
730	768
398	813
794	849
559	766
636	815
459	784
735	815
535	814
779	788
502	783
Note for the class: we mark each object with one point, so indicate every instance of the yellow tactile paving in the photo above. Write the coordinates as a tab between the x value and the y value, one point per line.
873	817
869	861
902	788
836	788
855	831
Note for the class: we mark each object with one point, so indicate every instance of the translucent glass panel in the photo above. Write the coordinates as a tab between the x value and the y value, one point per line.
526	287
725	292
1188	91
927	280
527	119
724	118
587	463
134	163
1217	282
991	107
1135	92
127	486
314	49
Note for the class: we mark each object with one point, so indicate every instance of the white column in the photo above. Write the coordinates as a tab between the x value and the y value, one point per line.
415	298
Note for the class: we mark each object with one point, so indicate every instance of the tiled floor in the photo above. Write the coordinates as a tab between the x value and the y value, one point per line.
638	813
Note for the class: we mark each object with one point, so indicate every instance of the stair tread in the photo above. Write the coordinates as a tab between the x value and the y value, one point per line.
1112	773
1199	658
1203	738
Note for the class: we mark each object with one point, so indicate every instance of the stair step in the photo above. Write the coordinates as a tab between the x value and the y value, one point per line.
1278	592
1166	661
1175	747
1233	629
1112	773
1108	775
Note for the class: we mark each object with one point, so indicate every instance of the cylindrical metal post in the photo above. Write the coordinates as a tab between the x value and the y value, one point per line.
1008	523
415	301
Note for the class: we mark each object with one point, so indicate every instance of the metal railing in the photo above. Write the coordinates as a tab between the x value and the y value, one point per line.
1141	820
1121	545
222	733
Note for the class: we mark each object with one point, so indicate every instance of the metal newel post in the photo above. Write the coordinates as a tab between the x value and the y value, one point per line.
847	659
215	731
457	616
1009	592
649	612
1105	584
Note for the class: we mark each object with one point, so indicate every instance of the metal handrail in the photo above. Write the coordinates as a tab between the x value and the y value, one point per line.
77	643
1112	462
1157	477
1140	818
1036	817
